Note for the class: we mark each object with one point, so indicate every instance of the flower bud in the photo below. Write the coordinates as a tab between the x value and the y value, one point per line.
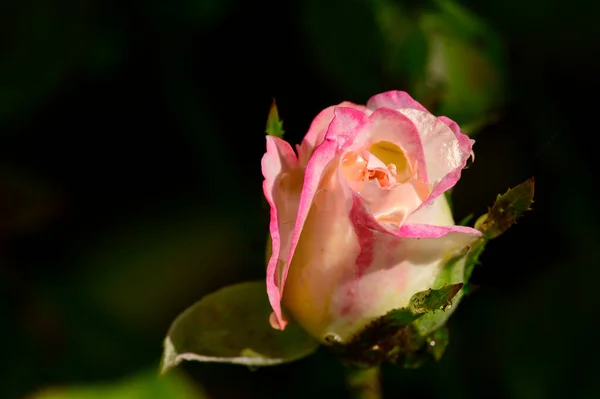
359	220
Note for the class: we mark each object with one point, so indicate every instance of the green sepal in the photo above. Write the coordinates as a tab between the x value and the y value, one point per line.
503	214
231	325
506	210
452	272
393	337
274	124
409	336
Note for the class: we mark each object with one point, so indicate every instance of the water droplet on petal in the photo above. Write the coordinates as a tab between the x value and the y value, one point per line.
342	141
354	166
333	338
392	168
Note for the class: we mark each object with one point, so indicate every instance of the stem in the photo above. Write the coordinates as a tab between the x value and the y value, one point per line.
364	384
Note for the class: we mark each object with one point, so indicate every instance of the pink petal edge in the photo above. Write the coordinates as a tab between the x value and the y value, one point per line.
360	214
279	157
318	129
407	136
459	236
431	231
449	181
463	140
394	99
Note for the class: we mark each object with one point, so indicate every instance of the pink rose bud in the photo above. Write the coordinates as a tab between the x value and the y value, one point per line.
359	222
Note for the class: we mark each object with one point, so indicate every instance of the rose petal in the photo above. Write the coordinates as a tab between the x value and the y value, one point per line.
390	206
396	203
347	122
395	127
394	99
390	267
467	234
351	270
324	257
437	212
446	152
318	129
398	268
278	162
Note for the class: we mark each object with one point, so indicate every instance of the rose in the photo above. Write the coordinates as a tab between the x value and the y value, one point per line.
359	222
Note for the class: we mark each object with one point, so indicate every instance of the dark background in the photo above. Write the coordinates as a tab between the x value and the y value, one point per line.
131	135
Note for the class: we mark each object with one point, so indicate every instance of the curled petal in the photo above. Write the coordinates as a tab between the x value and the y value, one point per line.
469	234
393	126
395	161
394	265
279	165
463	139
437	212
446	151
318	129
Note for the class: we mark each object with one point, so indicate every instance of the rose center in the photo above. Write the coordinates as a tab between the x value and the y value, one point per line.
383	162
395	159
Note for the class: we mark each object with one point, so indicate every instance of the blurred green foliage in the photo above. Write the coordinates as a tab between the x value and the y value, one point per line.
131	135
445	56
144	385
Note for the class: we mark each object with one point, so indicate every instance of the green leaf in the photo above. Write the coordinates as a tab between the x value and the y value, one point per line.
145	385
503	214
274	125
452	273
232	326
506	210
